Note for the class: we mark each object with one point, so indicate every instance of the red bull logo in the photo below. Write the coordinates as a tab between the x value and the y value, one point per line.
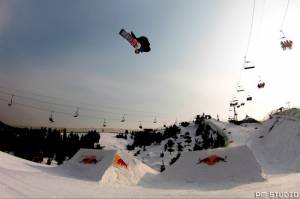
212	160
119	162
89	160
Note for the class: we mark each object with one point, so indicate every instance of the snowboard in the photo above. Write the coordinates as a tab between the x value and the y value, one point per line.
133	42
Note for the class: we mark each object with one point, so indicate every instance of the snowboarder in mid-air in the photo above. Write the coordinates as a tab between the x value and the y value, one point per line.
141	44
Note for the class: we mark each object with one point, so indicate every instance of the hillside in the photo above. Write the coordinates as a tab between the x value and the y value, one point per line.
258	158
158	154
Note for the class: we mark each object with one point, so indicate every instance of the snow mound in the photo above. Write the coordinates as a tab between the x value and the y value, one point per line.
236	134
104	166
240	167
110	142
17	164
277	146
130	173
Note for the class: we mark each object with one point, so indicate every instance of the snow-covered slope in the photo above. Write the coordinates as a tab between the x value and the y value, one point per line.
151	156
278	146
237	135
14	163
109	141
275	143
16	183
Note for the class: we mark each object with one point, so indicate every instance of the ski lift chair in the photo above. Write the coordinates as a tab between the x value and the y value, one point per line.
11	101
123	118
233	103
285	43
104	123
51	117
249	98
165	125
248	64
239	88
155	120
261	85
76	114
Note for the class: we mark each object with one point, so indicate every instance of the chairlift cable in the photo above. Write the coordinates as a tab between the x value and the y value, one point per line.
69	106
285	14
250	30
58	112
133	112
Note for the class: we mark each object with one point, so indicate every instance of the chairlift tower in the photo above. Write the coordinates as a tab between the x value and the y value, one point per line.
235	113
234	104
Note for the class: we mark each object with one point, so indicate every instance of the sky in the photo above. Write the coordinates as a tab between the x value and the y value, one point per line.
69	53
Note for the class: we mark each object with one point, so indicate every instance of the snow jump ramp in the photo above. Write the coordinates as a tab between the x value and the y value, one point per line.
223	167
105	166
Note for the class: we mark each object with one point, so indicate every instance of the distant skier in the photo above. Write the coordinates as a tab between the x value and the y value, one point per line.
144	44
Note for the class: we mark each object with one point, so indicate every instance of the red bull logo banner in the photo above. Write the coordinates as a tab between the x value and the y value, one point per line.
212	160
119	162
